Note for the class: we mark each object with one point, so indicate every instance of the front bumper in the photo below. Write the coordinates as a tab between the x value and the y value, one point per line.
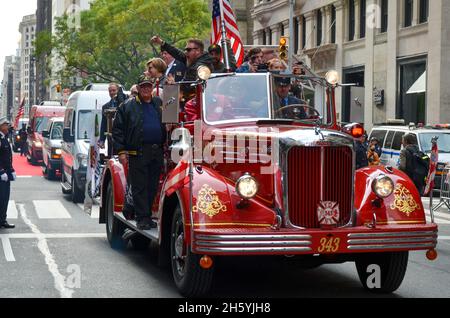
311	242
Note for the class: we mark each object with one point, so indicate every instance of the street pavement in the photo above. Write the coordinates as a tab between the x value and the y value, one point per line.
57	250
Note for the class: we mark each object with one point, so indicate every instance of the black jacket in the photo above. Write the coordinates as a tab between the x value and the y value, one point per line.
5	157
220	67
191	70
128	127
177	70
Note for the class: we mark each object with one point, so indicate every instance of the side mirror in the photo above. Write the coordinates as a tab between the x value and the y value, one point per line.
46	134
67	137
171	104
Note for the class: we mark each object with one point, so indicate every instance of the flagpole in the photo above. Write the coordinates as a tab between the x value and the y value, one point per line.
224	39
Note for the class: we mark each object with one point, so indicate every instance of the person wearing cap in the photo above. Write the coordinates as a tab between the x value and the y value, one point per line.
138	137
216	53
283	100
7	173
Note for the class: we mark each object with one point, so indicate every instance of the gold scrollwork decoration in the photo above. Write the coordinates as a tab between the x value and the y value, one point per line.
208	202
403	200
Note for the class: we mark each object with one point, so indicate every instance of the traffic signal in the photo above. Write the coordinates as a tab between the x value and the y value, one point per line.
58	88
283	48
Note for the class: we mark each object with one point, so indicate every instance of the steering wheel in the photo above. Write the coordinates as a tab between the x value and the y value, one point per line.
316	112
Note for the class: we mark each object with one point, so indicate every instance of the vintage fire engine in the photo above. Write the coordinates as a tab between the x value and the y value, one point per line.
261	174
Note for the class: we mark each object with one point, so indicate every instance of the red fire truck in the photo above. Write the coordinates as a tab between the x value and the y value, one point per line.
251	171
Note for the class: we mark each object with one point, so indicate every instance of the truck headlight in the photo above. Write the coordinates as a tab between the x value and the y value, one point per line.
82	160
383	186
247	187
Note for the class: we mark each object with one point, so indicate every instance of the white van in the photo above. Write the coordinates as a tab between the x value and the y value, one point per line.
79	120
390	139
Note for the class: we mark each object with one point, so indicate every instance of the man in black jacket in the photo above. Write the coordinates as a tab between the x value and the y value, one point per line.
175	68
216	53
138	137
7	173
193	56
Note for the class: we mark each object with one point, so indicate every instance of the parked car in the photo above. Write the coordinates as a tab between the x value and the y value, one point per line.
79	120
390	139
39	117
269	180
17	140
51	149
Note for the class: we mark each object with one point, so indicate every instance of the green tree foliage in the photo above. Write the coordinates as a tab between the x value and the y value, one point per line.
112	41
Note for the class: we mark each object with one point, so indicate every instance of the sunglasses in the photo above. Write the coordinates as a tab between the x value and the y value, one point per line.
188	49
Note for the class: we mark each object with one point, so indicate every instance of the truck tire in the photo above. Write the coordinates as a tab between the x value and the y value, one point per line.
190	279
77	195
392	266
114	228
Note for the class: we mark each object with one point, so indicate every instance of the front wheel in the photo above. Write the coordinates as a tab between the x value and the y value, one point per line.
391	268
190	279
77	194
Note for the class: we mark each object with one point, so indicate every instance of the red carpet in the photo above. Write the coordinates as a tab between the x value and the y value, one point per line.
23	168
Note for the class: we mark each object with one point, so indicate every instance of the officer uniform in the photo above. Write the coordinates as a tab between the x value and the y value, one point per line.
7	174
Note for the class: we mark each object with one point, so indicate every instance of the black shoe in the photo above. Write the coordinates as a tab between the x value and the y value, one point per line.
6	225
147	225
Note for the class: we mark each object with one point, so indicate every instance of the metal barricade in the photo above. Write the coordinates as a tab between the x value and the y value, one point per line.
445	189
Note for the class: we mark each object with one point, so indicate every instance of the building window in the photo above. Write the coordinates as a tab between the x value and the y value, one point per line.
333	24
408	13
319	27
362	21
270	36
303	32
384	16
282	29
264	36
351	20
424	11
412	106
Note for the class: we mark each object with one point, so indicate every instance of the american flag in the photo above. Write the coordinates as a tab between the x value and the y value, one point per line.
432	170
20	113
230	27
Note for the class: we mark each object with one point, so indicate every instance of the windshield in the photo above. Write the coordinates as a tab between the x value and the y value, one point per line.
86	120
253	97
443	142
41	123
57	131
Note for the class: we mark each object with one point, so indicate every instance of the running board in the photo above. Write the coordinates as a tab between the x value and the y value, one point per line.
151	234
66	186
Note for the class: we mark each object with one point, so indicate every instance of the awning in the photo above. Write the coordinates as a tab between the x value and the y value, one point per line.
420	86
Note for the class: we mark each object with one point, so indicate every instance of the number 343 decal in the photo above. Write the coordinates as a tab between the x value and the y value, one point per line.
329	245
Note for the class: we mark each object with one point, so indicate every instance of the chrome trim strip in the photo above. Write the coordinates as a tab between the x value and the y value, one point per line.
395	240
391	234
386	247
253	249
253	243
251	237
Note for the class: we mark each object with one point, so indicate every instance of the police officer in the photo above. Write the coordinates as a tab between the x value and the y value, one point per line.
7	173
138	136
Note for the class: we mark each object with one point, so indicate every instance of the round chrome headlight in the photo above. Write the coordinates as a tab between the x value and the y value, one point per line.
332	77
383	186
247	187
203	72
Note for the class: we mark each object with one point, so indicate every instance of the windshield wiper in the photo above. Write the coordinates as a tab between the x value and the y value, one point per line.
275	121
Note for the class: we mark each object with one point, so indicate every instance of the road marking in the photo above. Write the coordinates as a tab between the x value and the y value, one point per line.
51	209
24	177
12	210
7	249
60	280
95	211
444	238
52	235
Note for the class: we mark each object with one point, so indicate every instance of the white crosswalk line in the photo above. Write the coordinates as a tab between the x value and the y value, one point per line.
50	209
12	213
95	212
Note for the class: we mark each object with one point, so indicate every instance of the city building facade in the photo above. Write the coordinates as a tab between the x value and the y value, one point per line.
27	29
43	24
395	52
11	88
